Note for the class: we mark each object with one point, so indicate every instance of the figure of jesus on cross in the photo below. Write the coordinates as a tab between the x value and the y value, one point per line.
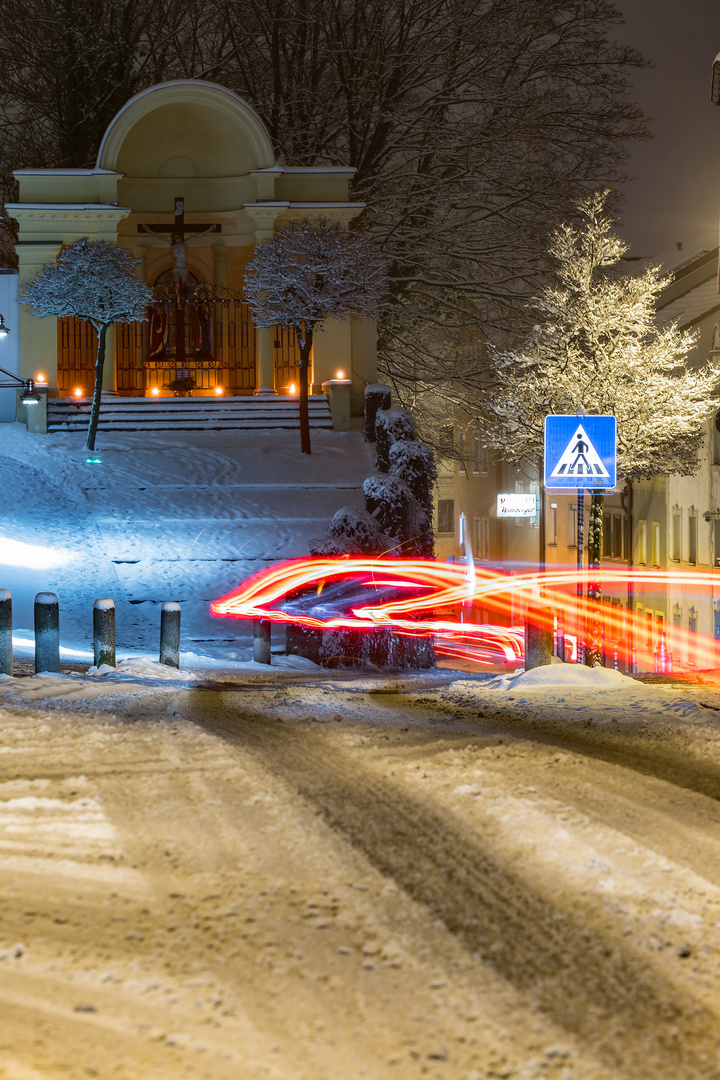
178	243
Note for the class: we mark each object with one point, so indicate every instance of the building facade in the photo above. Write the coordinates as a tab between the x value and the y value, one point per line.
186	178
668	522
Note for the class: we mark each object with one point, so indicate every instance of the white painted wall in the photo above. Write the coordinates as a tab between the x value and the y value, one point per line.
9	342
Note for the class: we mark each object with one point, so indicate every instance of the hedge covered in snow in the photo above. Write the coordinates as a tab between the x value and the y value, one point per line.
377	396
391	426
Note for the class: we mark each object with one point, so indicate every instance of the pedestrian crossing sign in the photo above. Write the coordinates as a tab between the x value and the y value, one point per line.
580	452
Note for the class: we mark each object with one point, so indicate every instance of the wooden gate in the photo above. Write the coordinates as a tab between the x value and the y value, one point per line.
210	341
208	337
77	348
287	360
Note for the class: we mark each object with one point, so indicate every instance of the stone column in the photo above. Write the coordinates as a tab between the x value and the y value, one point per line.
265	360
264	216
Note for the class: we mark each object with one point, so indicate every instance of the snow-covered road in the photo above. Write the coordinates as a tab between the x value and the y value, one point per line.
328	876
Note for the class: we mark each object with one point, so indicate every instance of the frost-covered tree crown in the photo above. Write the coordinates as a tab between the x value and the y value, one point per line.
92	280
313	271
598	346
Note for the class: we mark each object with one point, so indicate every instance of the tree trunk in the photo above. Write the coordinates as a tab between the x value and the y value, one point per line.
95	410
305	350
593	651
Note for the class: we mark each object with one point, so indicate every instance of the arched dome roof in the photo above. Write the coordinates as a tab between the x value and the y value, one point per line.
186	128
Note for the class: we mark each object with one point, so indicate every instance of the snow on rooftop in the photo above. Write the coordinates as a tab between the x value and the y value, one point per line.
692	305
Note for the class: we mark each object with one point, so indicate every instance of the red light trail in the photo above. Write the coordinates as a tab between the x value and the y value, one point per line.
442	587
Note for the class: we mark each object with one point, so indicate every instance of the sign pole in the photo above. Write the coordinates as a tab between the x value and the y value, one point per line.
541	524
579	658
580	452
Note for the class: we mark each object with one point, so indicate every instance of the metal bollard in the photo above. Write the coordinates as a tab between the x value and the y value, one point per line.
47	632
170	634
6	655
261	641
104	632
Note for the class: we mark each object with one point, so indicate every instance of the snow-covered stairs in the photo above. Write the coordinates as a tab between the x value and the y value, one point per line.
187	413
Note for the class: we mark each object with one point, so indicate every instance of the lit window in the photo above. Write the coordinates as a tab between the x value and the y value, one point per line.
656	543
618	547
480	457
461	451
446	515
692	537
482	537
607	536
642	543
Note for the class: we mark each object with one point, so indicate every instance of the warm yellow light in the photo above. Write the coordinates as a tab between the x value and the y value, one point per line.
77	392
40	378
155	391
292	387
340	374
218	390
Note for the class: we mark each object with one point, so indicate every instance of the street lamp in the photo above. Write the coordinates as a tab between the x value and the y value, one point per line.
29	396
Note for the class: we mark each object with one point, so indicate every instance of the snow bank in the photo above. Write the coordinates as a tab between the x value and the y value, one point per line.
141	667
561	676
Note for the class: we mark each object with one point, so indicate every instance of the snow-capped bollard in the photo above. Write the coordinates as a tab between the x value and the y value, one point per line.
104	632
538	636
170	634
261	641
6	657
47	632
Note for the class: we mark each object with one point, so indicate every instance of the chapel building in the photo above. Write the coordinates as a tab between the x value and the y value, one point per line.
186	178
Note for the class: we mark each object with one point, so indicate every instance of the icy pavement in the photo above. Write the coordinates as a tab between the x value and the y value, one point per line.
168	516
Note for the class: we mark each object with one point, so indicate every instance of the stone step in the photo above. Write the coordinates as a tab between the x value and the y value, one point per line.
187	414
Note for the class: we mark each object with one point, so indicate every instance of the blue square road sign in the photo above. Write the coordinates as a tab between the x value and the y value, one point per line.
580	452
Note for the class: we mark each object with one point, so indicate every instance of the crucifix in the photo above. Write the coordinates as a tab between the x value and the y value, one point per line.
178	242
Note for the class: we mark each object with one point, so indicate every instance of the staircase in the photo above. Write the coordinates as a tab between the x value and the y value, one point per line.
187	414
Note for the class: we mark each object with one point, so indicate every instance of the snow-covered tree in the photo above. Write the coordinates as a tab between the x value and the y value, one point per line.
95	281
310	272
598	346
471	125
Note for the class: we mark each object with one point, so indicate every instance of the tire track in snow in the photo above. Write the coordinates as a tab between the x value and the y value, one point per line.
619	1008
644	749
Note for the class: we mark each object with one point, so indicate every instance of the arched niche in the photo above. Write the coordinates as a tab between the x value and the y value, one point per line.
186	128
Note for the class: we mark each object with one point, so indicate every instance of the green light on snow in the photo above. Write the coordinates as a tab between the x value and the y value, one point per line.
93	461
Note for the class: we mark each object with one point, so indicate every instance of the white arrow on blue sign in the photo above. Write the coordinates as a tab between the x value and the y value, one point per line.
580	451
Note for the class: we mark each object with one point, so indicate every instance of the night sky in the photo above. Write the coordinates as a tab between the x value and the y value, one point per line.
675	194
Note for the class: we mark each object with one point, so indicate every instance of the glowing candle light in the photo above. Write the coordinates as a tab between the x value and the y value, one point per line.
40	378
218	390
340	374
155	391
77	392
292	387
